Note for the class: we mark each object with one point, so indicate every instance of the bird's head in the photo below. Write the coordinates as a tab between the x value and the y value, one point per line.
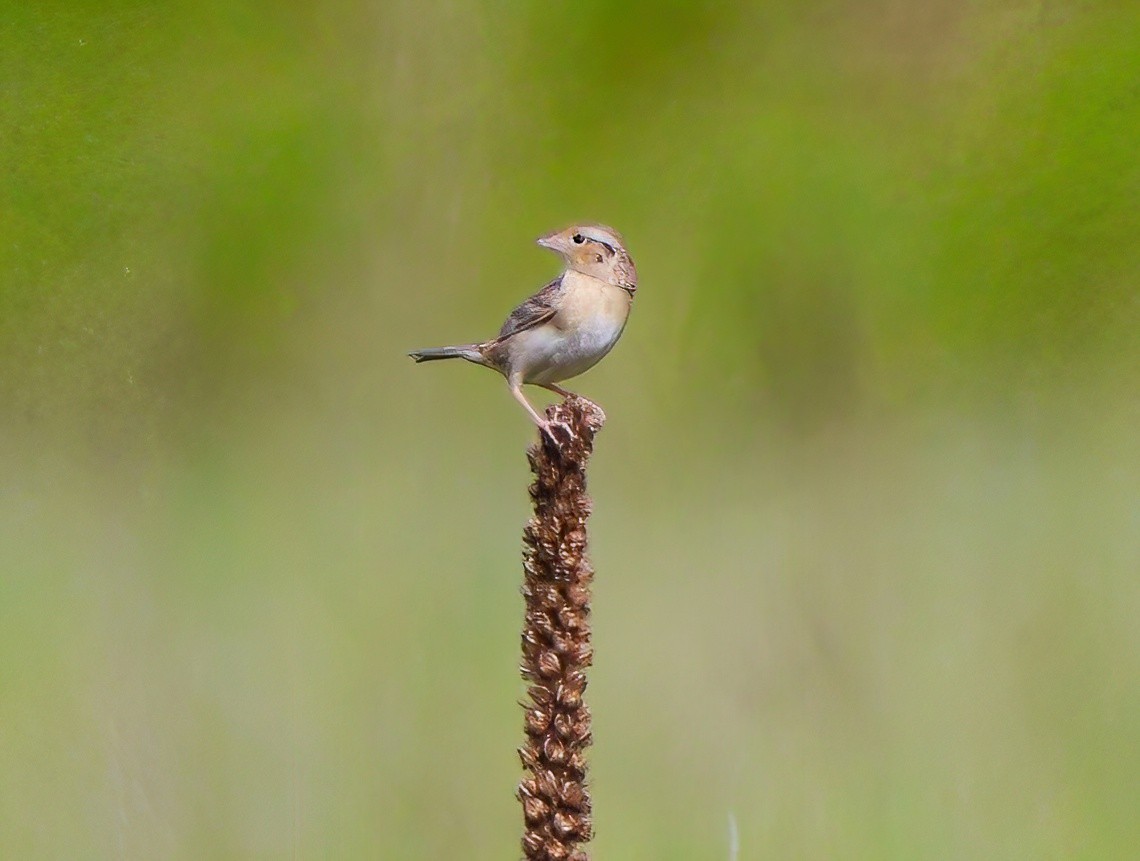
594	249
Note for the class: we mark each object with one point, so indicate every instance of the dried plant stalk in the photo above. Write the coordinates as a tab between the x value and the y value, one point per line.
556	638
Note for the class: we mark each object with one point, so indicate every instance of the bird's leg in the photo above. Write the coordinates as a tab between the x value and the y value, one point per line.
544	425
558	390
517	393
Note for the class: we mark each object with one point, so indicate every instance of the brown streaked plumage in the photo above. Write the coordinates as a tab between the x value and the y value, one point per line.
537	309
566	327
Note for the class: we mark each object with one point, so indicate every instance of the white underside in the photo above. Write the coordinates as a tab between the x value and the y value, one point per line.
548	354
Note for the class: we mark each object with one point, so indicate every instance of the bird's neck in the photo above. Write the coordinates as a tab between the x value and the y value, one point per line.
577	278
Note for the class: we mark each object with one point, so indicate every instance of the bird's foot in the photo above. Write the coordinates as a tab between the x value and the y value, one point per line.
557	431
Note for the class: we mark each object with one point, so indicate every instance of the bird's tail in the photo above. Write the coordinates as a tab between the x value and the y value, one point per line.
470	352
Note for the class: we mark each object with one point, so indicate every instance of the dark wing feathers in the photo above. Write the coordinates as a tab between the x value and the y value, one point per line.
534	311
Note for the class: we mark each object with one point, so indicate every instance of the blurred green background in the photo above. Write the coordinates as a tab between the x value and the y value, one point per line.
867	508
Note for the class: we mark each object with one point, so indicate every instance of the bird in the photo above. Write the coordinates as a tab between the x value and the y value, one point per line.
565	328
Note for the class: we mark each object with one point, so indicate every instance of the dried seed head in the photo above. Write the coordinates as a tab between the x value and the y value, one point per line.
578	595
547	784
554	751
565	825
549	667
535	810
556	639
574	796
528	755
537	721
532	844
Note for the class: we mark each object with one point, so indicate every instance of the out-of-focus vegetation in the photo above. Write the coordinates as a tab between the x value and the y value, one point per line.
867	522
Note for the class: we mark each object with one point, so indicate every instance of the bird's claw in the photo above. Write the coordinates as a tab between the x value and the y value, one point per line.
553	428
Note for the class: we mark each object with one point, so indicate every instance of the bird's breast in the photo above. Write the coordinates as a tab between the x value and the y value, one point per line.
590	318
594	311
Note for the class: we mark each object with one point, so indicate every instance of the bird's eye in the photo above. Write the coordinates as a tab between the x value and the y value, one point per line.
578	238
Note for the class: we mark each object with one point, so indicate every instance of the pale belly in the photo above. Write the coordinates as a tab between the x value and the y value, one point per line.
548	354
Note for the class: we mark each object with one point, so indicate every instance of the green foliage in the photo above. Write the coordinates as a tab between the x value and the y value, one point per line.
866	502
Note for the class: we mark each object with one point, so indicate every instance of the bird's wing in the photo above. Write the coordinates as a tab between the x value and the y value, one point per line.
534	311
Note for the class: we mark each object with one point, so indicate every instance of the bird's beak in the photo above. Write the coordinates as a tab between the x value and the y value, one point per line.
549	241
